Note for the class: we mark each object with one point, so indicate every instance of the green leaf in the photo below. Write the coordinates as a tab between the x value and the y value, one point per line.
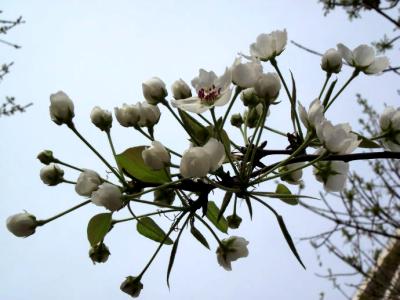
283	190
288	238
294	92
199	236
212	215
225	203
366	142
131	161
173	252
98	227
148	228
194	127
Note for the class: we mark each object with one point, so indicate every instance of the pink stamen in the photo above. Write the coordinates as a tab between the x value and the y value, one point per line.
209	96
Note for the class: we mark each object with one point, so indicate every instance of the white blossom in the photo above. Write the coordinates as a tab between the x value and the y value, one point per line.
268	46
331	61
181	90
195	162
149	114
231	249
216	151
109	196
332	174
363	58
51	174
127	115
154	90
156	156
337	139
245	75
101	118
61	108
88	181
390	126
22	224
268	86
211	91
314	116
294	177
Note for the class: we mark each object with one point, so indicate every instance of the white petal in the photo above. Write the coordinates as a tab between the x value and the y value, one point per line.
379	64
224	99
346	53
192	104
364	55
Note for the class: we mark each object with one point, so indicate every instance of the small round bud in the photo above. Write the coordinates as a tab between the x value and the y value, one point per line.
181	90
154	90
268	86
101	118
46	157
331	61
253	115
234	221
132	286
99	253
237	120
149	114
52	174
61	108
249	97
22	224
164	196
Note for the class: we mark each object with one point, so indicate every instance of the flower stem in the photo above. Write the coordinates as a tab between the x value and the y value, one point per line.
115	156
145	215
275	131
237	92
328	76
57	161
354	75
209	228
43	222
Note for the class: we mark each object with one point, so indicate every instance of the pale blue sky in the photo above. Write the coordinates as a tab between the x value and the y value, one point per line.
99	52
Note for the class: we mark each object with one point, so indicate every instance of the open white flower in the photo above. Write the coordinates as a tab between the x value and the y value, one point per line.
337	139
231	249
332	174
331	61
314	116
127	115
51	174
245	75
61	108
101	118
22	224
363	58
109	196
88	181
154	90
211	91
268	46
390	125
156	156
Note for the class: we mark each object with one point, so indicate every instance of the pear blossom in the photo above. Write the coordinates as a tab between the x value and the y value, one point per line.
231	249
268	86
331	61
156	156
211	91
101	118
237	120
314	116
127	115
249	97
61	108
332	174
216	151
46	157
363	58
181	90
195	162
253	115
268	46
22	224
245	75
88	181
132	286
154	90
109	196
149	114
51	174
337	139
390	126
294	177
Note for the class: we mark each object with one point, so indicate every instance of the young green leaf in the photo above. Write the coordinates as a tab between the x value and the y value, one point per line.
212	215
366	142
199	236
283	190
98	227
132	162
225	203
195	128
148	228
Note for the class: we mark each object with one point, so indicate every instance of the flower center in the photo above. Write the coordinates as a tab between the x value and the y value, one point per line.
208	96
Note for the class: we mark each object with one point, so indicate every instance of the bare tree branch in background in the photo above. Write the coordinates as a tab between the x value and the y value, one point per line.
9	107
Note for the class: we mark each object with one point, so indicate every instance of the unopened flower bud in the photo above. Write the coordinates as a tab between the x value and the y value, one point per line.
293	177
249	97
22	224
132	286
164	196
99	253
109	196
253	115
181	90
52	174
46	157
237	120
268	86
101	118
156	156
154	90
88	181
127	115
149	114
61	108
331	61
234	221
